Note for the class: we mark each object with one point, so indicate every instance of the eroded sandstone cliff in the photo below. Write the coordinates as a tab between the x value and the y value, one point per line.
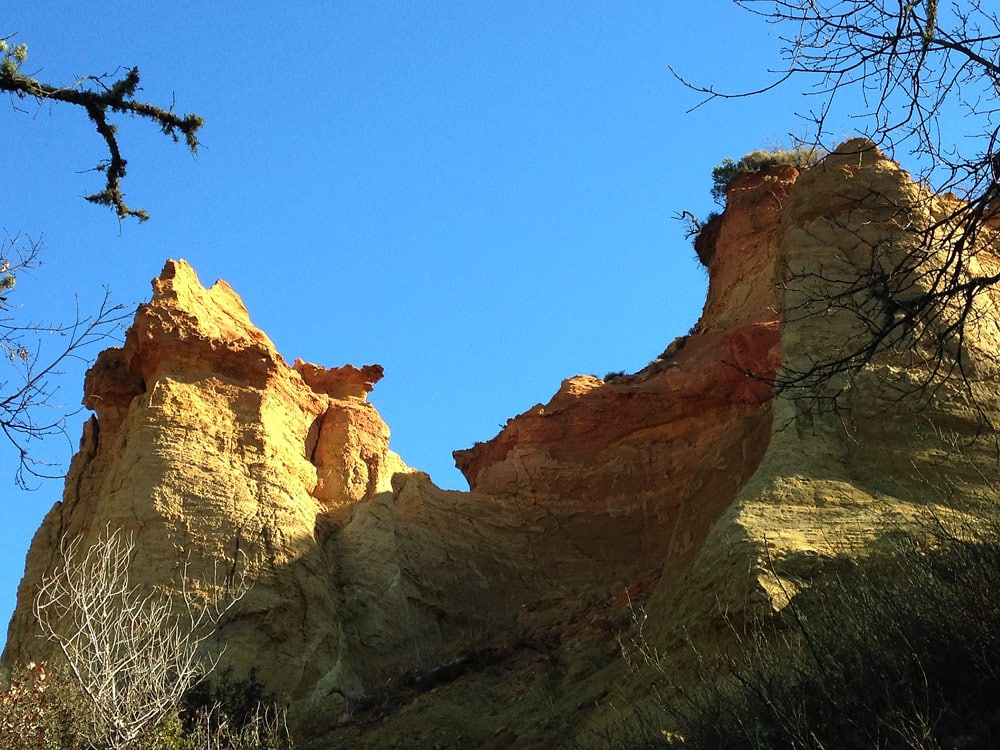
388	612
860	451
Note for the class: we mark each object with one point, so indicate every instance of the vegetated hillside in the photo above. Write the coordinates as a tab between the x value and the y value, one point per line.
387	612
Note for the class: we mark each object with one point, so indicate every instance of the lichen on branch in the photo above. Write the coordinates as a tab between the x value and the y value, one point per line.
105	96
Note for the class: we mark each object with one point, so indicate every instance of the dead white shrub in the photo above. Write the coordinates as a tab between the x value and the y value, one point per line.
135	652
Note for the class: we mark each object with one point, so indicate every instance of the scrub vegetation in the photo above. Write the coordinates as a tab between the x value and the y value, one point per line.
900	650
757	161
134	667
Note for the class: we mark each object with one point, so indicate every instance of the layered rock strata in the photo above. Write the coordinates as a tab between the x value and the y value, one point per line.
644	464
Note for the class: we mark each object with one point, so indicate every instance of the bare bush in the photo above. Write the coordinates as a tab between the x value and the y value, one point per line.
263	729
134	652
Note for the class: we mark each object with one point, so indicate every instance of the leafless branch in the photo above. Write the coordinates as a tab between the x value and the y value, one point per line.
925	78
134	652
27	387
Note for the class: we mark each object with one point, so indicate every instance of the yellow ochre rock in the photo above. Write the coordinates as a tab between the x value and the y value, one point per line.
384	609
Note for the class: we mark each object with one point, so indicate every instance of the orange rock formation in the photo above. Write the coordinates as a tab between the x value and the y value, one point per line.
644	464
671	482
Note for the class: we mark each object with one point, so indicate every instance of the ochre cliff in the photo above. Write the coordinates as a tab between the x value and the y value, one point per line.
644	464
390	613
908	436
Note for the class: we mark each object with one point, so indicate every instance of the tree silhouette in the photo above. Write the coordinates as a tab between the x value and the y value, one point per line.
28	410
911	77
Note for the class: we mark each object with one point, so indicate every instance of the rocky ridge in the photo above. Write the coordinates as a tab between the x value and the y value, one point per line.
389	612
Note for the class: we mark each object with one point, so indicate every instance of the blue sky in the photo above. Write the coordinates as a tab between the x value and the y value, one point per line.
476	195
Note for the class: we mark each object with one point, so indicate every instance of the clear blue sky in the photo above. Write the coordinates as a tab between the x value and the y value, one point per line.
476	195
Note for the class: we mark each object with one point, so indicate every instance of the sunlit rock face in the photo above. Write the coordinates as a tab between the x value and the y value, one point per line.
906	438
215	454
222	460
388	612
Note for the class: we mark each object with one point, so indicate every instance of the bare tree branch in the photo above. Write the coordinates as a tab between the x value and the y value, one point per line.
27	388
30	367
925	78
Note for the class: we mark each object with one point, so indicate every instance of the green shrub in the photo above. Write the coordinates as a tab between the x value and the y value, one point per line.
45	709
757	161
728	170
900	651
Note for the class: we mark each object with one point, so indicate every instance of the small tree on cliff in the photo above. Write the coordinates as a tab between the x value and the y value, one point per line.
914	76
28	410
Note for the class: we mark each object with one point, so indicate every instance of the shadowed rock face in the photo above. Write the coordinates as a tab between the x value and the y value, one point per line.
644	464
371	585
